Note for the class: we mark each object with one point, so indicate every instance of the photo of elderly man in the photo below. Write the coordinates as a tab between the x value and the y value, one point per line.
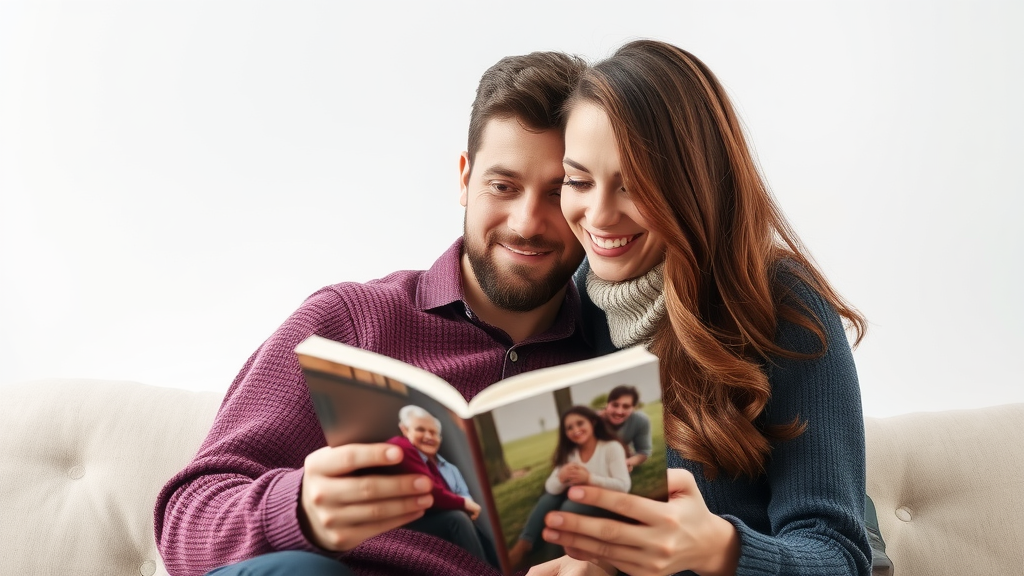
452	515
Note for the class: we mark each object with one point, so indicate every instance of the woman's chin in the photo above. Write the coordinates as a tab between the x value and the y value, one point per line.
612	271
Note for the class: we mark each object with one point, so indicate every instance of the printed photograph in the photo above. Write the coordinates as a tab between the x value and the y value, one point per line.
607	432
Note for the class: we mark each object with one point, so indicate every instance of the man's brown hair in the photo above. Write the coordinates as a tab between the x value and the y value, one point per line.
624	390
531	88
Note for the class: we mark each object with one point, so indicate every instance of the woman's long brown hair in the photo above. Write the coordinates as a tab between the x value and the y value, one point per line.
686	165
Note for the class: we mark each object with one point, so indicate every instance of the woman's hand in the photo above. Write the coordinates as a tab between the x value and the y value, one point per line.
681	534
574	474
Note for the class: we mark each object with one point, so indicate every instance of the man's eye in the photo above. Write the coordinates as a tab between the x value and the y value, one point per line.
501	187
577	185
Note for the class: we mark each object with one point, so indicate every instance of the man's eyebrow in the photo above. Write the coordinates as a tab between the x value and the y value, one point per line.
575	164
499	170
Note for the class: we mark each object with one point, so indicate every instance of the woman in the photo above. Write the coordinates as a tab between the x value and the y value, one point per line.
588	454
688	254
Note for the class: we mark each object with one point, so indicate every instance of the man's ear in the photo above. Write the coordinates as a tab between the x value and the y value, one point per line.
464	170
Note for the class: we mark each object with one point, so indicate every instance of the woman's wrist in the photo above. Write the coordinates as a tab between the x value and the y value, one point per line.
724	549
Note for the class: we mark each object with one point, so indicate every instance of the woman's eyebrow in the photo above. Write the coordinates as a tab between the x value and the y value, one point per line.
570	162
574	164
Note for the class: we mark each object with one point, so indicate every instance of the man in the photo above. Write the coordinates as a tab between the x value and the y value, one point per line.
632	427
452	514
264	494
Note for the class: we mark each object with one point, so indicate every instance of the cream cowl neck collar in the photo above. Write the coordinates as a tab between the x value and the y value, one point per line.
633	307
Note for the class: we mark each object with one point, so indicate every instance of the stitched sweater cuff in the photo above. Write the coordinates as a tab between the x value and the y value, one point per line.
280	509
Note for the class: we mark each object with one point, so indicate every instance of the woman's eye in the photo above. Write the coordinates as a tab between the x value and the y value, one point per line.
578	185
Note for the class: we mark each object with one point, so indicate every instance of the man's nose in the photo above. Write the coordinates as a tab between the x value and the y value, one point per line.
528	217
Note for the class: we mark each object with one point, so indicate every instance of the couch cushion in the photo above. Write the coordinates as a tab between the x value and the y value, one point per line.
949	490
81	462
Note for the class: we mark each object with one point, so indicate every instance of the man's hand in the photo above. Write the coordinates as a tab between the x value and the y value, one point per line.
472	508
338	511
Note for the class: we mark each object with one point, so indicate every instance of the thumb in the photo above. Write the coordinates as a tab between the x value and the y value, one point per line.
546	569
341	460
681	483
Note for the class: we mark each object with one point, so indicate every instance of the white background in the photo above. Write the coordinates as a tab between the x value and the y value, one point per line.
176	177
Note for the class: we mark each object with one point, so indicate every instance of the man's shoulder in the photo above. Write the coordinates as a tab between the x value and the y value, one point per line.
402	442
396	283
415	288
611	446
639	417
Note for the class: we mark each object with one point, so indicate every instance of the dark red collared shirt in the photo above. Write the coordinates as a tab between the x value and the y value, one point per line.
238	498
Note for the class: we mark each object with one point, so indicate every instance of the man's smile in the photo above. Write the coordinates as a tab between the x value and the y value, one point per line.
520	251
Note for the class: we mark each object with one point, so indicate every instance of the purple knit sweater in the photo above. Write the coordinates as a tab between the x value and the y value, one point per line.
238	498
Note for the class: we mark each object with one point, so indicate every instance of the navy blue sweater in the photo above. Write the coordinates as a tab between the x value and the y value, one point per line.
805	515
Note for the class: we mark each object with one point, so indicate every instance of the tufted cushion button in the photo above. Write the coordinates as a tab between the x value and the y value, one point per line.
76	472
148	568
904	513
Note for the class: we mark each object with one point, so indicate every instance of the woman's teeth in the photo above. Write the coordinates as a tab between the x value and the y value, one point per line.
609	243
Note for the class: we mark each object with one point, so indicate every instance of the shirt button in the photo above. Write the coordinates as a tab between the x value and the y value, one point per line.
512	355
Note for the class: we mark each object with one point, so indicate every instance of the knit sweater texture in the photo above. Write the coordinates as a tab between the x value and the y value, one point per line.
805	515
633	308
239	497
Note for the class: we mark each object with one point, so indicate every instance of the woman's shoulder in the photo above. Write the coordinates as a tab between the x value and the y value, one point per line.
611	446
796	289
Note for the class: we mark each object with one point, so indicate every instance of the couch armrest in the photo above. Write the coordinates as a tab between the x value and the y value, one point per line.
81	462
949	490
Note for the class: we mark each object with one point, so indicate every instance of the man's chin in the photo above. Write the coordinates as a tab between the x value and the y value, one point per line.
516	286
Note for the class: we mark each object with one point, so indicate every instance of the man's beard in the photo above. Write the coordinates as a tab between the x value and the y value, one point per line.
512	288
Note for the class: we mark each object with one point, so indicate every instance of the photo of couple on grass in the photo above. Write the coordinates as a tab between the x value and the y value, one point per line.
606	438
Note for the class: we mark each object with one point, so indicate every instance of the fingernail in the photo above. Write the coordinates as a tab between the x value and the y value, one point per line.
421	484
550	535
424	500
576	493
555	520
393	454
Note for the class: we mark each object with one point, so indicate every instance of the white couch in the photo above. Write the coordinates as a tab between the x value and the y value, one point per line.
81	462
